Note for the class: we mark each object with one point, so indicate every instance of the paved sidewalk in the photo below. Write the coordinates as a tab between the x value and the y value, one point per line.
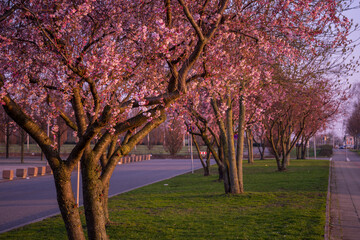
345	196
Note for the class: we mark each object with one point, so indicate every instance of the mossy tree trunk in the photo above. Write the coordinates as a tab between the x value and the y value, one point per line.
67	203
240	143
232	171
205	164
250	142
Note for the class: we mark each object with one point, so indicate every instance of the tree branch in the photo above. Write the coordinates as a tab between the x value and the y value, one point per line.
168	13
192	20
31	127
7	13
126	148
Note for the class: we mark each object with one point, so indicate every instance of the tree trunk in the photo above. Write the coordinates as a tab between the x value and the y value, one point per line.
221	166
298	151
249	138
279	164
276	152
303	150
104	160
285	156
203	164
287	153
58	135
233	170
251	152
206	172
227	184
285	161
262	151
208	155
68	207
240	143
105	201
93	196
224	157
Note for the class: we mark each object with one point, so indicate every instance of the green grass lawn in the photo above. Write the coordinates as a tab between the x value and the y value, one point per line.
358	151
276	205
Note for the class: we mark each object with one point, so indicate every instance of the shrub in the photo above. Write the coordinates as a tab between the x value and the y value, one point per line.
326	150
174	137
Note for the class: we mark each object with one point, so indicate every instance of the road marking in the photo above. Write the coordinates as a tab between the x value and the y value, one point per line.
347	159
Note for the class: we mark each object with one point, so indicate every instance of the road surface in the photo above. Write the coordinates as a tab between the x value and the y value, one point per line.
345	196
28	200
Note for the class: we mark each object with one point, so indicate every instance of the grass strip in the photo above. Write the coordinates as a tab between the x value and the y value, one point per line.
276	205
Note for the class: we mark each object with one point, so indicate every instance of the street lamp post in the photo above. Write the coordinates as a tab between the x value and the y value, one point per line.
78	184
315	146
191	152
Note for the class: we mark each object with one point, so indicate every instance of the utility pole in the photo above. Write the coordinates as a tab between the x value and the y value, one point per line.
191	152
315	146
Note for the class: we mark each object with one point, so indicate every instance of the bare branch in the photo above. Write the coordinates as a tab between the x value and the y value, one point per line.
168	13
130	143
9	12
79	111
192	20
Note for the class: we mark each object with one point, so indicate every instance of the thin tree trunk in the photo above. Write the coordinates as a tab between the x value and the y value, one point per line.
221	166
287	153
285	162
240	143
262	151
279	164
208	156
224	152
298	151
224	147
251	152
233	171
303	150
284	159
276	152
249	138
203	164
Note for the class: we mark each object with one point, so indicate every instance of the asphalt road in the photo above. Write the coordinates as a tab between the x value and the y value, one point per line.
345	196
28	200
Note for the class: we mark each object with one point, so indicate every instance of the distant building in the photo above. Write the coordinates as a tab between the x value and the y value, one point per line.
349	141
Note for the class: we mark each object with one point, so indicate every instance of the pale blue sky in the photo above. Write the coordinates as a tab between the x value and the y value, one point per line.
354	13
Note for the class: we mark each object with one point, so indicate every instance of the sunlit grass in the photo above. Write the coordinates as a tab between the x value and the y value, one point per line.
276	205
